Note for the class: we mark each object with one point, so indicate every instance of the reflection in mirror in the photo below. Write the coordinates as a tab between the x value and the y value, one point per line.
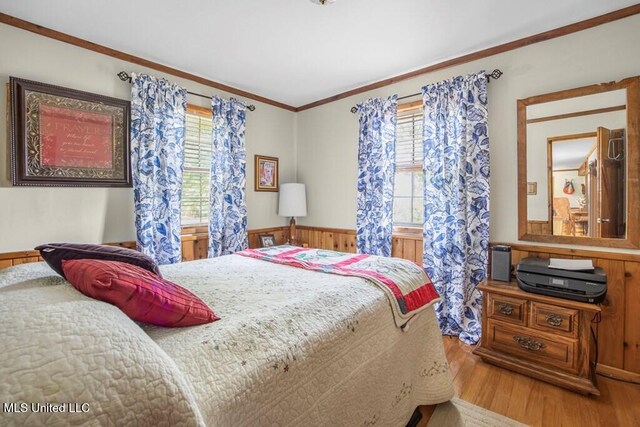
576	160
587	184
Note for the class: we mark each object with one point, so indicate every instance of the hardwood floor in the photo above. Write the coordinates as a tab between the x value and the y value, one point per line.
537	403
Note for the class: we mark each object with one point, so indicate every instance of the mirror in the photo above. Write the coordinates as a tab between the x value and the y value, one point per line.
578	165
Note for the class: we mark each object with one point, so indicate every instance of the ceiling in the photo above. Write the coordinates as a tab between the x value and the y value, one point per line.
297	52
572	153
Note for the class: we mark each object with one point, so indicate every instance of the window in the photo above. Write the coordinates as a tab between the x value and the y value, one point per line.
196	179
408	208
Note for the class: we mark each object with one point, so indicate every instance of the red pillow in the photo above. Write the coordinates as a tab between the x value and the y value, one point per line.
140	294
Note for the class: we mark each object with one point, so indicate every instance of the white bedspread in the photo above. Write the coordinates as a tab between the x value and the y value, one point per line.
293	347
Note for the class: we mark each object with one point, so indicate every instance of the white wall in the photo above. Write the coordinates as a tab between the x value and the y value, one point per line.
30	216
328	135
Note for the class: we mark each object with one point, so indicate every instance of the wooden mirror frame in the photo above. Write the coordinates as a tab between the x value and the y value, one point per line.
632	239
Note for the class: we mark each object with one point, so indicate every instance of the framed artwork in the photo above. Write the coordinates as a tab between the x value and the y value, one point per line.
267	240
532	188
65	137
266	172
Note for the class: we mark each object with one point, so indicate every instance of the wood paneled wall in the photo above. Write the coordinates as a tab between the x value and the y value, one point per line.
539	227
407	246
8	259
279	234
16	258
328	238
195	245
316	237
618	333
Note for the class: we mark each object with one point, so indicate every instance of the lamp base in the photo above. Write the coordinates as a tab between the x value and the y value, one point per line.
292	232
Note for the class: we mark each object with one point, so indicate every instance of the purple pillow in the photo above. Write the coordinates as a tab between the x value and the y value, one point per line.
55	253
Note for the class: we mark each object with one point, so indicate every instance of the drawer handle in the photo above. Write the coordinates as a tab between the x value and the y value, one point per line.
554	319
506	309
529	343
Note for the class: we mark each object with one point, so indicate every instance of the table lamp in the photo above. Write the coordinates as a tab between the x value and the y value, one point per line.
293	203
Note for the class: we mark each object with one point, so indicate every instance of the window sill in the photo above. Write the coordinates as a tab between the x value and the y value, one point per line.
408	232
195	229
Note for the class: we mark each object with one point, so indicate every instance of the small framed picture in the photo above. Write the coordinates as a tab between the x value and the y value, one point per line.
532	188
266	172
267	240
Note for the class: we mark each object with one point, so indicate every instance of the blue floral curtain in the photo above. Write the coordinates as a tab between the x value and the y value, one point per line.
376	169
157	159
228	215
456	199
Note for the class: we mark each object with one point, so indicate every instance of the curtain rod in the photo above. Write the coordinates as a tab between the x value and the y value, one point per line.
495	74
127	78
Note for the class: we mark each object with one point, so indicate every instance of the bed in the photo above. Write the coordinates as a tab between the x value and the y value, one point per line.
293	347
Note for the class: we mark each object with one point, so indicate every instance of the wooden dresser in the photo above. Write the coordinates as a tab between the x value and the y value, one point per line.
544	337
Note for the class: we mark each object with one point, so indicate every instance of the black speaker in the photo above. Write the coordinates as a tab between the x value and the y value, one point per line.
501	263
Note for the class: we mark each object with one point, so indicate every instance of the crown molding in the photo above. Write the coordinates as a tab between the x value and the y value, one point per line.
85	44
505	47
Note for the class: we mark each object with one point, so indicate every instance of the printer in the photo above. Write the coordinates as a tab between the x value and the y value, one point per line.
535	275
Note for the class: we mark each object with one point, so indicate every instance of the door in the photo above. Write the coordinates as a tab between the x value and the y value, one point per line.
610	208
592	196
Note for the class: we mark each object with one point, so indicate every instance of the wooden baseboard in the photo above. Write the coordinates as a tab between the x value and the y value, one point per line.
618	374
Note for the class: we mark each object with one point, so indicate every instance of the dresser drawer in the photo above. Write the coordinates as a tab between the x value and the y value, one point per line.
507	309
533	346
554	319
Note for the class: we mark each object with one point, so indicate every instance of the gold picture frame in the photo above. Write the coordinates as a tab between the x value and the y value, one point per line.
266	173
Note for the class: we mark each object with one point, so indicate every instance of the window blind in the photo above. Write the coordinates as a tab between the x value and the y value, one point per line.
408	198
196	180
409	140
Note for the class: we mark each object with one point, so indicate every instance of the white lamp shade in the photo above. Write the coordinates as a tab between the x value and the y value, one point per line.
293	200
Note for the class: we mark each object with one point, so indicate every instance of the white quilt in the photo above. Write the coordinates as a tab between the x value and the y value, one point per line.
293	347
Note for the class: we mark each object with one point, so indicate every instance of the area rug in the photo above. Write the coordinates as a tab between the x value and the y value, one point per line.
458	413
